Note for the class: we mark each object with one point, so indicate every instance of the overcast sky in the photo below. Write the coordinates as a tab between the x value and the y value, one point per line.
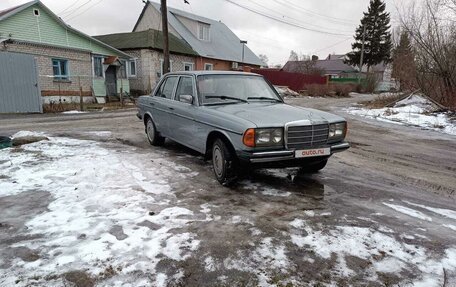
264	35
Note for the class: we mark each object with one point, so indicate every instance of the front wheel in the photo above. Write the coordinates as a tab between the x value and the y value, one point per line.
313	167
152	135
223	163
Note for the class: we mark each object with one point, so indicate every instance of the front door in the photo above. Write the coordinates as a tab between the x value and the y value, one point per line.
111	81
182	114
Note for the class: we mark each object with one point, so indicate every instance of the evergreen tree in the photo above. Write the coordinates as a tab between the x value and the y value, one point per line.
377	44
404	67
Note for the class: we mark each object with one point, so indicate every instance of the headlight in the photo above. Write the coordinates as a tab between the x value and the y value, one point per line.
263	137
268	137
337	131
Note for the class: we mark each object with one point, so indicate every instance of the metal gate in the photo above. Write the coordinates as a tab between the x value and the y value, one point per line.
19	86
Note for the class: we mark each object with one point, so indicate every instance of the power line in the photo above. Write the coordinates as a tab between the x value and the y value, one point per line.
333	45
334	19
88	8
284	21
77	8
291	18
69	7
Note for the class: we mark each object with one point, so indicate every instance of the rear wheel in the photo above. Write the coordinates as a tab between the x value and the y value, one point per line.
152	135
313	167
224	163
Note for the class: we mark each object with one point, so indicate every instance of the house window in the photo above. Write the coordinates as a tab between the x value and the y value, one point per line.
188	66
36	12
208	67
123	69
132	68
60	68
98	67
204	31
161	66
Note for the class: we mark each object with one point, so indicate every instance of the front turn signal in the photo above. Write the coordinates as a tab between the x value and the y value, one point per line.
249	138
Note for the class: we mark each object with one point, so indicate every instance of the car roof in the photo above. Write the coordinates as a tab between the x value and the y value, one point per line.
200	73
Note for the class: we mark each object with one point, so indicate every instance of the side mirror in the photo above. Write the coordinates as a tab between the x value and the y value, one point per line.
188	99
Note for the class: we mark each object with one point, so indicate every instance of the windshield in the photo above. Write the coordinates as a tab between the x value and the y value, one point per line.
227	89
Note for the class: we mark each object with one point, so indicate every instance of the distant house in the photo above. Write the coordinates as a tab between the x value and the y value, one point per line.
147	49
333	67
66	58
217	46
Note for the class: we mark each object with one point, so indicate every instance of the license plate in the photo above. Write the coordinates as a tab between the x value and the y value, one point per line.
312	152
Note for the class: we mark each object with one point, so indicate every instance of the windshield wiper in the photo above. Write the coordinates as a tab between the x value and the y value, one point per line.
264	98
226	98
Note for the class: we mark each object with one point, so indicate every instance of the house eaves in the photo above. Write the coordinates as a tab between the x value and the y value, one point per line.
223	44
17	9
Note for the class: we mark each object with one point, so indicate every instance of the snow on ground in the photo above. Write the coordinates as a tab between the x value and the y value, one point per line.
383	250
73	112
99	216
415	111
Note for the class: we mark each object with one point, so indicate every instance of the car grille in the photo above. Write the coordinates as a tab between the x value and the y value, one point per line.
301	137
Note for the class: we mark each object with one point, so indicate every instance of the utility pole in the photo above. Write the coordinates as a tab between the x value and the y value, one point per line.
361	58
164	13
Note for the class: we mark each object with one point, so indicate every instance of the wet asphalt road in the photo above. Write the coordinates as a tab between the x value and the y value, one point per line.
387	166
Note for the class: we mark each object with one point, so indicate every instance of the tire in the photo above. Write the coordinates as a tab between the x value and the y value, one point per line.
152	135
313	167
224	163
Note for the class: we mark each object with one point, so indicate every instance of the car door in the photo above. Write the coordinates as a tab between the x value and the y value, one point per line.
161	104
183	114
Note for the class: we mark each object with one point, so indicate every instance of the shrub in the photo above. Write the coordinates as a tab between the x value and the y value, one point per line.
316	90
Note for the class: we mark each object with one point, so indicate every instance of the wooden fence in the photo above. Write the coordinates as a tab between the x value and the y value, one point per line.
295	81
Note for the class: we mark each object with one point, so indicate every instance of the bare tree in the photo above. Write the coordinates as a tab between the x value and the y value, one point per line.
433	34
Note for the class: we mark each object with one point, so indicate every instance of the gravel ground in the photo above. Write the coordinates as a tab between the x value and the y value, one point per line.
97	206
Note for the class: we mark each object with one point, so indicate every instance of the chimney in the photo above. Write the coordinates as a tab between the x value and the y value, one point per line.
314	58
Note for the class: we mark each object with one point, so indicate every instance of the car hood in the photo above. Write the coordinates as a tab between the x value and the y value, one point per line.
275	115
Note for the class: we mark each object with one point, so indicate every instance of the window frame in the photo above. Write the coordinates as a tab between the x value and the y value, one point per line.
161	66
202	27
129	73
162	86
36	12
210	65
94	66
123	73
194	94
60	76
189	64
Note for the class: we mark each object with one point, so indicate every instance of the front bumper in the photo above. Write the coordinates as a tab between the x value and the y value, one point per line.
286	157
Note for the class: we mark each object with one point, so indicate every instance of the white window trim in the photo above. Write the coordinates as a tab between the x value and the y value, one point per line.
189	64
102	66
67	78
39	13
161	66
201	37
129	74
208	64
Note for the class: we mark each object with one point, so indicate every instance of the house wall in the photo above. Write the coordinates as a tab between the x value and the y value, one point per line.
45	29
148	69
218	65
79	63
152	20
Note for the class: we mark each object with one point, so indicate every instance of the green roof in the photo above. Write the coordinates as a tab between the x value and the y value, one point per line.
149	39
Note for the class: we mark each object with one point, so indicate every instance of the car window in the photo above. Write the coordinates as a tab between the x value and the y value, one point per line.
243	87
185	87
167	88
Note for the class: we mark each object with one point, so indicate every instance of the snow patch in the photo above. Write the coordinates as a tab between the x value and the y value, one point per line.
94	189
414	110
409	211
444	212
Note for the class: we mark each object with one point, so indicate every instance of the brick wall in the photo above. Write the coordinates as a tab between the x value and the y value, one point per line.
148	68
79	64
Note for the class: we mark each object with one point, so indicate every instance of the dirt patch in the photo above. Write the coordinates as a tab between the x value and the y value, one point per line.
381	101
28	140
79	279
